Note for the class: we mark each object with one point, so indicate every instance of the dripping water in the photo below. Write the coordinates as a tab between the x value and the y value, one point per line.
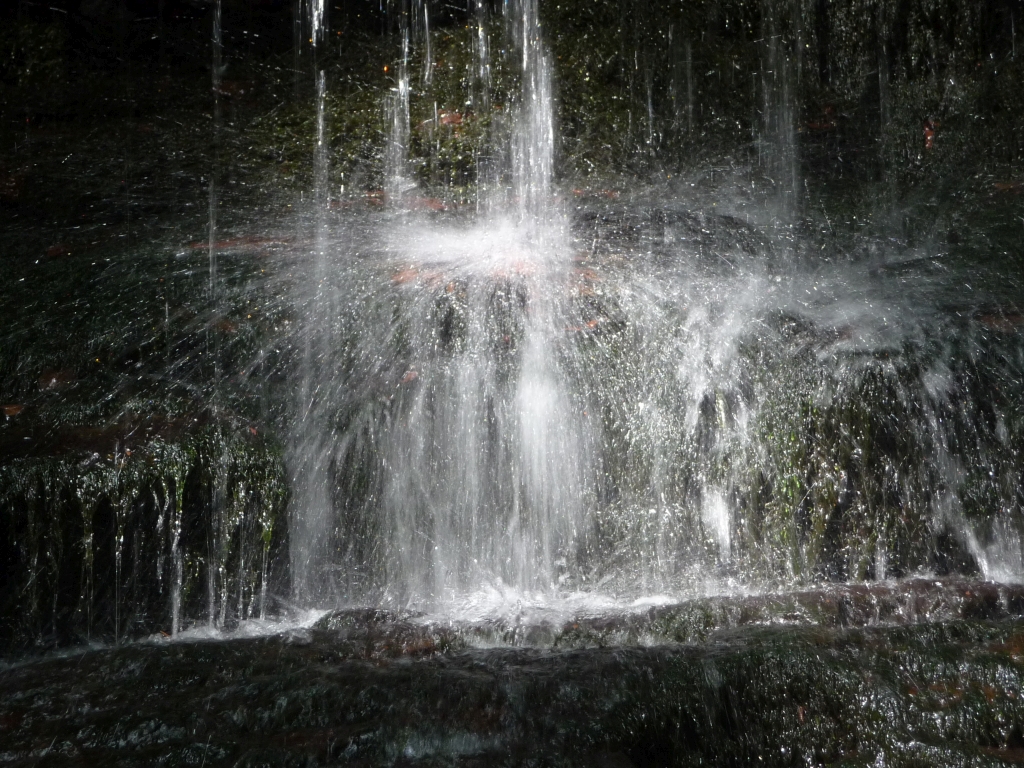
396	161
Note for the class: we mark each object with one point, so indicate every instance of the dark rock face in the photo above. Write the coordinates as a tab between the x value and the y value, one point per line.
933	694
156	533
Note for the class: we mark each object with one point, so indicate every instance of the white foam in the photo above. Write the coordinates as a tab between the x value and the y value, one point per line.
296	620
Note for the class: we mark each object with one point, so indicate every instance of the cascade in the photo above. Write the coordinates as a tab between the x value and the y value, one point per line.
512	382
479	475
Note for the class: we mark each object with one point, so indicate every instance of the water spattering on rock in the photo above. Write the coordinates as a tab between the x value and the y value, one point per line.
592	384
479	473
663	392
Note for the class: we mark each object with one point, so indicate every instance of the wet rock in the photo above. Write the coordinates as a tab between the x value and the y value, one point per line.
952	557
112	533
379	634
933	694
703	620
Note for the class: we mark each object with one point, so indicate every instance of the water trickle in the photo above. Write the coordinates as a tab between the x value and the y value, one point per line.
173	502
317	20
483	57
777	139
428	56
216	72
396	161
321	159
534	141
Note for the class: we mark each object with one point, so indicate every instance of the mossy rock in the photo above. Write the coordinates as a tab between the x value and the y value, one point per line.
123	535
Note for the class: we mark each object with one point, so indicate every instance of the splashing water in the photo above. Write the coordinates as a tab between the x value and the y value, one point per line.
528	405
483	474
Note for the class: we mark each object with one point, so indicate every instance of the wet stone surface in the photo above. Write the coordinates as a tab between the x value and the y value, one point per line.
372	633
838	606
112	533
944	693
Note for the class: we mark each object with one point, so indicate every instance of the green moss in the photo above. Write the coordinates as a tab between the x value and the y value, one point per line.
135	514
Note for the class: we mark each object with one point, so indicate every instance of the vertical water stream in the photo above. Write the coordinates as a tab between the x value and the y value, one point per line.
480	458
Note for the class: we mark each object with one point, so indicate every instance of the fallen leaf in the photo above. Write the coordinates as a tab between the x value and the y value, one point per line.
246	242
429	203
826	121
11	186
930	128
231	88
1002	322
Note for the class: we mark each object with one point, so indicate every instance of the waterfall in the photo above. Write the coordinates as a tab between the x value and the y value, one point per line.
533	150
501	400
474	467
615	301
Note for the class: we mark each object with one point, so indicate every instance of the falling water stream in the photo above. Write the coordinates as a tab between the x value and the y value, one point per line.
482	478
